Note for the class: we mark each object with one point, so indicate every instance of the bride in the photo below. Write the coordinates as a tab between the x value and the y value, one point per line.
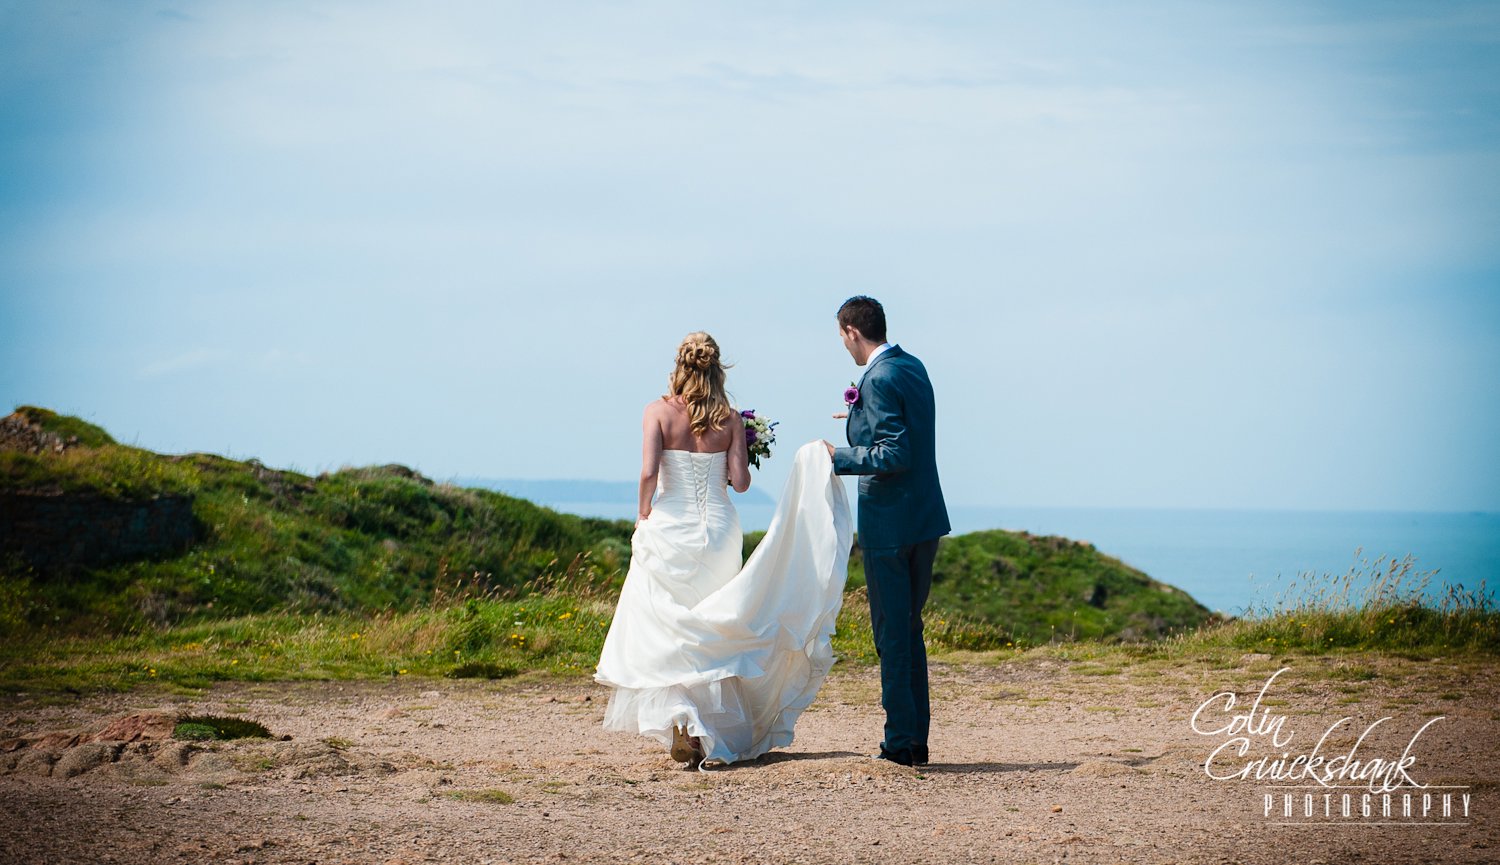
714	660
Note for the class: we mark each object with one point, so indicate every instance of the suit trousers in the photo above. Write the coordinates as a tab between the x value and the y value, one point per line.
899	579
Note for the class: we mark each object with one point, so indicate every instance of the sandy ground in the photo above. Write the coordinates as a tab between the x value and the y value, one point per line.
1034	760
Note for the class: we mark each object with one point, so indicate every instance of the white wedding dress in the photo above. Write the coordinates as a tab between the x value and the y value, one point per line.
733	653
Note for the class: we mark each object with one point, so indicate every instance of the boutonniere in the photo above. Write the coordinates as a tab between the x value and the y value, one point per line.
851	395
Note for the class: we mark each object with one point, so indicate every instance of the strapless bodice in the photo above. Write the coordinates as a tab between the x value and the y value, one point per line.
692	481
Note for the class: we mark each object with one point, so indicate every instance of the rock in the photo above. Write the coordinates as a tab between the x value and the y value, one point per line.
57	741
313	760
90	755
140	727
59	533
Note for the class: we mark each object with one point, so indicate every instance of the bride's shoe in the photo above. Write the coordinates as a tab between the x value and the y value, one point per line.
683	750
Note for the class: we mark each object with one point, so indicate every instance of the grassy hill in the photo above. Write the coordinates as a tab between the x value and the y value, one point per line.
1038	587
386	538
357	539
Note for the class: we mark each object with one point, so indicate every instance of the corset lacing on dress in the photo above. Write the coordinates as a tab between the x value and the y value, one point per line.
700	485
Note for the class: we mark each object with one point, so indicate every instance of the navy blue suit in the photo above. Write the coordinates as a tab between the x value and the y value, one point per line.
892	448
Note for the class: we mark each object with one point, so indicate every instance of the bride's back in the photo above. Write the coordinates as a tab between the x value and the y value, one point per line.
677	431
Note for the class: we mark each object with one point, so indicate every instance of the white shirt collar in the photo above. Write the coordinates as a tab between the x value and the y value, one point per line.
875	352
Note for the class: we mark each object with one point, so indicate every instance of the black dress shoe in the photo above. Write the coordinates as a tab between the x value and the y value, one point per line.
919	756
903	757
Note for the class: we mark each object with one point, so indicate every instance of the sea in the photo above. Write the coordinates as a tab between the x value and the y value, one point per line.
1235	561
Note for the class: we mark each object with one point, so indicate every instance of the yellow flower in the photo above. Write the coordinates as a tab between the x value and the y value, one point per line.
564	616
400	672
235	661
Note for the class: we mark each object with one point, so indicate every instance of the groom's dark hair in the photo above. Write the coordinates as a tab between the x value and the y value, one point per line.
866	314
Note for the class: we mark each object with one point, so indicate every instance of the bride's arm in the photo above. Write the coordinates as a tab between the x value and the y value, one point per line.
651	445
739	457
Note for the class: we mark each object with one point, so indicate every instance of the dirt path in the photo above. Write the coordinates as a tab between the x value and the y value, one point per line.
1034	761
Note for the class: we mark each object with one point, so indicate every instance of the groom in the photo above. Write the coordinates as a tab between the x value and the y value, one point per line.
901	515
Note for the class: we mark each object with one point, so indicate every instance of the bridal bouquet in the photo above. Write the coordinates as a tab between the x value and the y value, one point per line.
760	434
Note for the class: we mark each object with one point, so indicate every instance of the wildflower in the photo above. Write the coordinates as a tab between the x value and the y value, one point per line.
400	672
564	616
233	662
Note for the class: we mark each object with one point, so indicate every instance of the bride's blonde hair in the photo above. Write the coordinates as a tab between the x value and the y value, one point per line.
698	378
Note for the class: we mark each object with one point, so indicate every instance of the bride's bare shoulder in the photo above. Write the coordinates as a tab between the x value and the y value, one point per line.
663	406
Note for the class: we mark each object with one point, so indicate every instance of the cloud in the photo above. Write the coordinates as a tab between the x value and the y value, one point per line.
185	362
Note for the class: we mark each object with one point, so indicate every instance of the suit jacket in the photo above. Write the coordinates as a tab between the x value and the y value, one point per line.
893	449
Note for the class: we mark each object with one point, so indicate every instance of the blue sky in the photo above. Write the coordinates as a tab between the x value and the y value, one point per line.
1153	254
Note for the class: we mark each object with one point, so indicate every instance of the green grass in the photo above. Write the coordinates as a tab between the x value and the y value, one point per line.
218	727
1384	605
558	629
549	631
111	471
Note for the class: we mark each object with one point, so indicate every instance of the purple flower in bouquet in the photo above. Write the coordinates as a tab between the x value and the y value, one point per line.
760	434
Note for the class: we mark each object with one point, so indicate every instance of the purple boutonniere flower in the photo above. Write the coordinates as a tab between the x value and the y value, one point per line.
851	395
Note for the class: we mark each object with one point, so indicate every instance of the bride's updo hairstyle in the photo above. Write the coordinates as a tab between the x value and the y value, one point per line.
698	378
